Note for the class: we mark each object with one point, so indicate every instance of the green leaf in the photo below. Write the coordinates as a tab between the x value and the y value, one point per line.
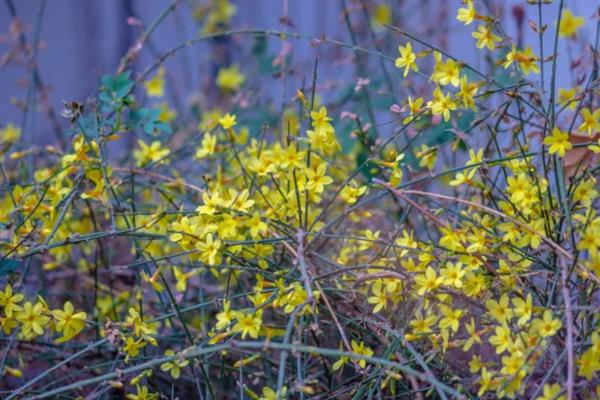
259	46
345	136
148	119
89	125
115	88
369	170
465	120
439	134
8	266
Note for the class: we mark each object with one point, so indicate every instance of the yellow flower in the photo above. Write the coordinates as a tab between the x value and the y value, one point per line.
212	202
182	277
446	73
317	180
256	225
589	363
523	309
210	119
451	318
473	336
502	339
569	24
10	133
248	324
422	325
547	325
485	381
467	15
142	393
209	250
476	364
7	324
9	301
155	87
174	367
208	147
591	121
558	142
379	298
407	59
551	392
501	310
362	350
291	158
149	154
219	15
406	242
166	114
227	121
513	364
153	280
94	175
427	156
590	240
453	274
441	104
595	147
224	318
132	347
382	15
466	93
142	375
485	37
270	394
351	192
462	178
17	373
322	137
343	360
320	119
414	107
134	321
428	281
230	78
396	176
528	62
33	319
240	201
69	322
566	97
586	193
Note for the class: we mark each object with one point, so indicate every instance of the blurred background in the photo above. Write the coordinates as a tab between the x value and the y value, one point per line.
81	40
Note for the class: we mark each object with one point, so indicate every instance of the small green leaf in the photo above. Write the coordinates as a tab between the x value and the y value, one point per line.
148	119
8	266
116	88
89	125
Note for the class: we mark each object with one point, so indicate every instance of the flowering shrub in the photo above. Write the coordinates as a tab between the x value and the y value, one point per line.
309	255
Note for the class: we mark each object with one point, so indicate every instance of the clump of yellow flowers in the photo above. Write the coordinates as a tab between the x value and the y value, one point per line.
456	256
31	319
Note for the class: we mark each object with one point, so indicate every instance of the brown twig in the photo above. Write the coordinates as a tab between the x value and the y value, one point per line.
302	264
325	300
428	214
134	50
140	171
403	193
379	275
569	321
